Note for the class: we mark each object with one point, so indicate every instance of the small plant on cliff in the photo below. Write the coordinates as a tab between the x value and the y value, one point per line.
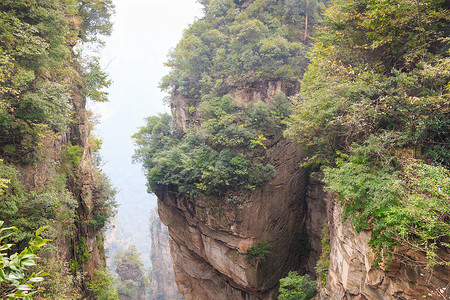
296	287
324	261
258	254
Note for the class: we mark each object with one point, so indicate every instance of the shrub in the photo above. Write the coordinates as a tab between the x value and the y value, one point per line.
226	155
101	285
401	200
296	287
258	254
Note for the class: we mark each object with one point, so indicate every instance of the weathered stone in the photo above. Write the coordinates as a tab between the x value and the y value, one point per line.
162	280
352	275
210	236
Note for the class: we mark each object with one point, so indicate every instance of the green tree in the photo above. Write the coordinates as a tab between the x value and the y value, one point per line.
296	287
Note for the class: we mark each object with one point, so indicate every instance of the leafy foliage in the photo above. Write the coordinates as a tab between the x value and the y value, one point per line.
40	70
353	90
399	200
224	155
59	284
29	210
15	282
130	262
102	285
375	95
258	254
296	287
236	45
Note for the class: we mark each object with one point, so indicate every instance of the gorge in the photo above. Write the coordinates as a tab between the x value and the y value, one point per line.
305	156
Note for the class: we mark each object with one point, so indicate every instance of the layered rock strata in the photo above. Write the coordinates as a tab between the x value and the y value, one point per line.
210	237
162	280
353	276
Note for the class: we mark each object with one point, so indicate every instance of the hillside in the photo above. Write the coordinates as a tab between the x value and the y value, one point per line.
49	163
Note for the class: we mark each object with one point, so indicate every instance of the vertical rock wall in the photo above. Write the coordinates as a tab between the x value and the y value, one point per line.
162	280
353	276
210	237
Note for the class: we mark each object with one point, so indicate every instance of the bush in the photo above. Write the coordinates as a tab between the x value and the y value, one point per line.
226	155
101	285
258	254
296	287
401	200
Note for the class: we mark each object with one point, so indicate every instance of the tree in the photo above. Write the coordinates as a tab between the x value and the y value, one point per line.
296	287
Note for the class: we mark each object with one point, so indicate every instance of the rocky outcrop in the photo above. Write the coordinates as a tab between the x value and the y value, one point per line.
210	237
186	111
162	281
131	276
353	276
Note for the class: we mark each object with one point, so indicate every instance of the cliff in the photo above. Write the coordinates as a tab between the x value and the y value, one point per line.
209	237
352	274
162	280
48	160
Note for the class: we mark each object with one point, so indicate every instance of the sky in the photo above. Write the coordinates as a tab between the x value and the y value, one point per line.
144	31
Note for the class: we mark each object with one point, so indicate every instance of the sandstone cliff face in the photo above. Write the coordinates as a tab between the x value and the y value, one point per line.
352	275
81	183
162	281
209	237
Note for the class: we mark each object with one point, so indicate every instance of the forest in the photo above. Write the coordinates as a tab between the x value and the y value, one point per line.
363	92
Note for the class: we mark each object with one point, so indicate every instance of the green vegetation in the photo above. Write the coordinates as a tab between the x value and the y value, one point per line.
225	155
40	68
131	272
29	210
296	287
15	280
258	253
59	284
323	263
399	200
222	152
240	46
102	285
45	79
374	113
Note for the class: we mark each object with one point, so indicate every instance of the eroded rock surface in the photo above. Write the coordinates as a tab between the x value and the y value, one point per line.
162	281
352	275
209	237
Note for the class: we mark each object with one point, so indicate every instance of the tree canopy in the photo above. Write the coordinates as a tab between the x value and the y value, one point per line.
42	65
